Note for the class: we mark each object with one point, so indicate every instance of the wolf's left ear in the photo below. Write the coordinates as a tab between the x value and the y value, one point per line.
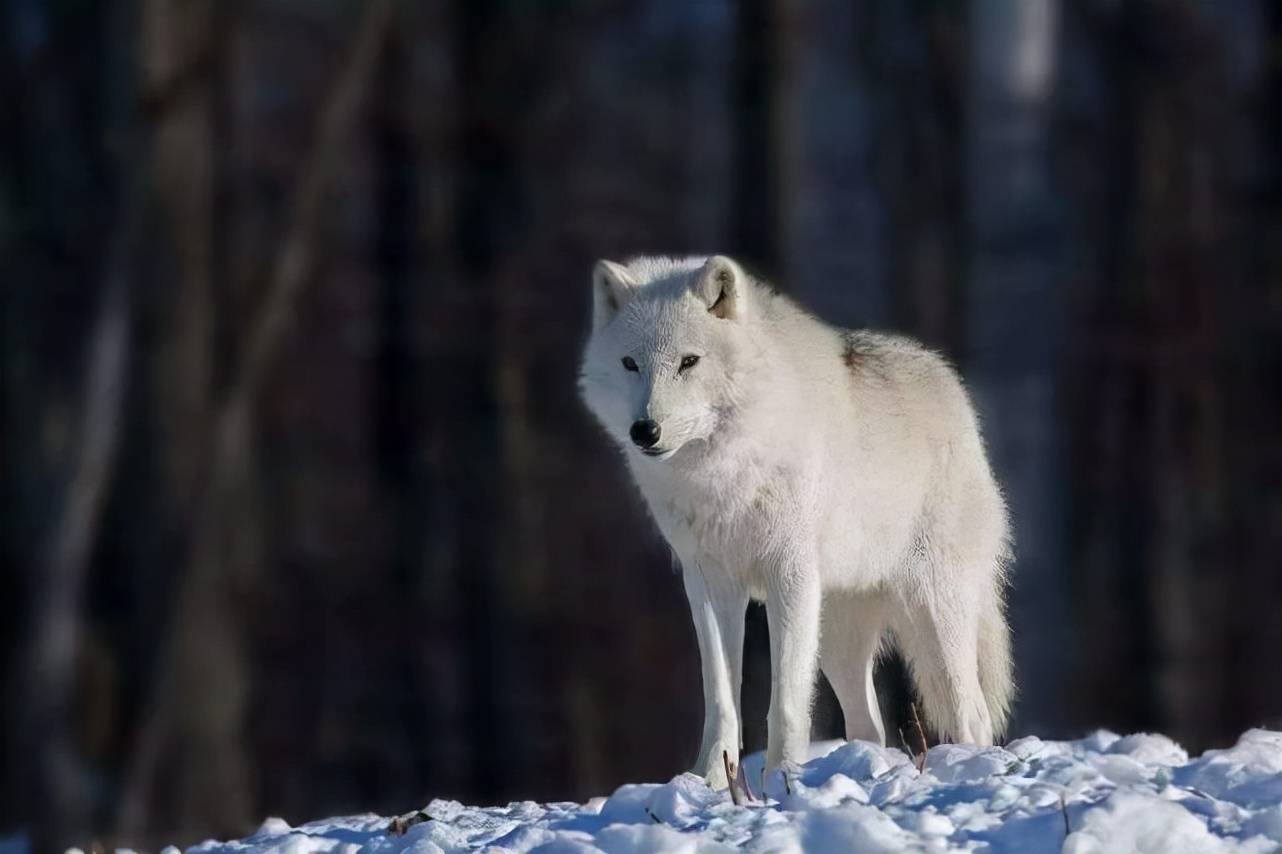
612	287
721	285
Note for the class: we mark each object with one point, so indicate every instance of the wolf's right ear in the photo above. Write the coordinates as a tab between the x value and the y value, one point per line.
720	284
612	287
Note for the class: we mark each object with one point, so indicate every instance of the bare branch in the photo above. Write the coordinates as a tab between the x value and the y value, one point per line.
58	586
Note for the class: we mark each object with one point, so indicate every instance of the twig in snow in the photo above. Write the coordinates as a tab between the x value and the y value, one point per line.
921	734
653	817
1063	808
403	823
730	779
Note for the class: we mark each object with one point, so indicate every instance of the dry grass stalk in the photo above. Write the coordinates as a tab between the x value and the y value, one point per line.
921	735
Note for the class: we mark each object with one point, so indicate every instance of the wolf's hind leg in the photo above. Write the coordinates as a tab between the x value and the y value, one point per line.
938	633
848	642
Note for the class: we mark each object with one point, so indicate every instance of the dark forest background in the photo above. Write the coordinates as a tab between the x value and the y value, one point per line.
301	512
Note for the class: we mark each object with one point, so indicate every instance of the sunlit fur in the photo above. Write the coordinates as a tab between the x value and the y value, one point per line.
837	476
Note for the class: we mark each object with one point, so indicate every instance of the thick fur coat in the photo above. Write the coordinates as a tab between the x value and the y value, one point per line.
839	476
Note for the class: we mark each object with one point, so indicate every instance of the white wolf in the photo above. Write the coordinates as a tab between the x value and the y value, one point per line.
837	475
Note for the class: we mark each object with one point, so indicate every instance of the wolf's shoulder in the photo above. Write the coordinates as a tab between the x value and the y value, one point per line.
867	350
883	363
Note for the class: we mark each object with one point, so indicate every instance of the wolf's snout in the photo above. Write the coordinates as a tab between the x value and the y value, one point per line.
645	433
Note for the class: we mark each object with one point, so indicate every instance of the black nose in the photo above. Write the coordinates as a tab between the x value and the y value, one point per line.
645	433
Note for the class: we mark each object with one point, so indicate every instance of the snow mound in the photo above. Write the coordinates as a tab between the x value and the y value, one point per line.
1103	793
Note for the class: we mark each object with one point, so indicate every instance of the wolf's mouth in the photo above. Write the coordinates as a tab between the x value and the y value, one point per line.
658	453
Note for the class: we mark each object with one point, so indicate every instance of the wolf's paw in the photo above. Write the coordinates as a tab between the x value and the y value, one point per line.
715	778
778	781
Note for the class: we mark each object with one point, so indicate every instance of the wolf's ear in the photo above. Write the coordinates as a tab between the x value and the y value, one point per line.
612	287
721	285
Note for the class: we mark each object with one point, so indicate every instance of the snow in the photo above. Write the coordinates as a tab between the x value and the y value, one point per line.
1103	793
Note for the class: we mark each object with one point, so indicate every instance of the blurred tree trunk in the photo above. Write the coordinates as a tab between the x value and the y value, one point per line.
763	64
1014	322
832	220
490	223
1181	122
437	646
1190	273
1173	269
1255	500
72	190
59	788
913	69
192	732
176	39
199	749
1101	158
412	105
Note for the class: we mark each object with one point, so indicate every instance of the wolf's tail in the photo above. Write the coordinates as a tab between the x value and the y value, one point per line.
996	670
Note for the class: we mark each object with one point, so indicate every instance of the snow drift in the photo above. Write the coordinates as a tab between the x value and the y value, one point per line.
1104	793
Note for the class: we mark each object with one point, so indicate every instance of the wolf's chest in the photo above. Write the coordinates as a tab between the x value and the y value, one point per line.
726	523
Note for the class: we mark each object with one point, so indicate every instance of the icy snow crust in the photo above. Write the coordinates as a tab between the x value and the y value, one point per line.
1104	793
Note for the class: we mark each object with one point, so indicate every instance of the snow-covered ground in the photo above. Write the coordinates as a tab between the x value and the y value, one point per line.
1104	793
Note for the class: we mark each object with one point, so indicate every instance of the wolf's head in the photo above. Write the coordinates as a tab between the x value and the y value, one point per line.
668	339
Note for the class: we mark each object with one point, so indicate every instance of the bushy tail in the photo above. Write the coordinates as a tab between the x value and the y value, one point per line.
996	670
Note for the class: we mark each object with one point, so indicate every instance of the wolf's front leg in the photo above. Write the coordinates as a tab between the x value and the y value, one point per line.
717	605
793	598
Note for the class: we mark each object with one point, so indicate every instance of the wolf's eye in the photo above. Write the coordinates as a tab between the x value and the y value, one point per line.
688	362
629	363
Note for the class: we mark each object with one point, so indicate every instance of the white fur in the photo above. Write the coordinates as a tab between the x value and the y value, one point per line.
838	476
